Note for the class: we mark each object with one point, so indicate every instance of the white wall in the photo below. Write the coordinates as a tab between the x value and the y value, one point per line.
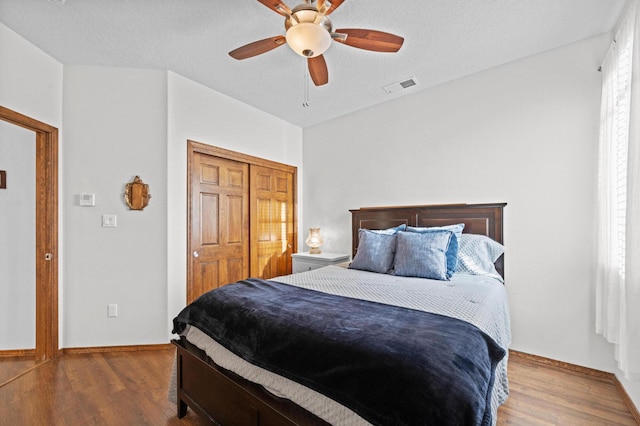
206	116
115	128
17	238
30	80
525	133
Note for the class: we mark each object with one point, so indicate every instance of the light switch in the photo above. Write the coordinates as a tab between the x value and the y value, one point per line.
109	221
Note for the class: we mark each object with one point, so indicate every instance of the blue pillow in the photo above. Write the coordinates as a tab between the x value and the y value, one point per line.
376	252
452	250
422	254
389	231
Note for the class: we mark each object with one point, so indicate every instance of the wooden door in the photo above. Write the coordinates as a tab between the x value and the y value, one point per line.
46	242
272	221
219	228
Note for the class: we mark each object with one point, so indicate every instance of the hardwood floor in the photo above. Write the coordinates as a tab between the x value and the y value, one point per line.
11	367
542	394
130	388
113	388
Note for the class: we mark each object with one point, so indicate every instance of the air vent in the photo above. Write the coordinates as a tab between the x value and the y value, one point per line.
401	85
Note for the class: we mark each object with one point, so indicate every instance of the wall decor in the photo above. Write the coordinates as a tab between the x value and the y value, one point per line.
3	179
137	194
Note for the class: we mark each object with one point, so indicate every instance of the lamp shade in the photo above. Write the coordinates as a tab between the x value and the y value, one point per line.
308	39
314	240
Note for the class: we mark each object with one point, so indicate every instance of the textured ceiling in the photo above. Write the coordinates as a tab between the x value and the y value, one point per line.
444	40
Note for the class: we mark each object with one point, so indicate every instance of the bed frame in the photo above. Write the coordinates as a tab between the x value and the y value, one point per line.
221	397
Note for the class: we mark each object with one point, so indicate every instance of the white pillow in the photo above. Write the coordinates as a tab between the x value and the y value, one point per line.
477	255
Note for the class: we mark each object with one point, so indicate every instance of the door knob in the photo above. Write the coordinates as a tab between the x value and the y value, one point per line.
196	254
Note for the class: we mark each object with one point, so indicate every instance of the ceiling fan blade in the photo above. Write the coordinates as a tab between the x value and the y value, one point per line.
376	41
318	70
334	5
277	6
257	47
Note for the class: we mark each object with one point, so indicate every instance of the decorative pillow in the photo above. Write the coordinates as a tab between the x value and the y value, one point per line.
422	254
477	255
452	251
375	252
389	231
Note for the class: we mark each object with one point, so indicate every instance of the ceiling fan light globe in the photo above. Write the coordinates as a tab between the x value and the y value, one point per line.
308	40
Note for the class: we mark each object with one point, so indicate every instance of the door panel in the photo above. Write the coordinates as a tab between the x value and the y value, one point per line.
209	207
235	220
272	224
219	237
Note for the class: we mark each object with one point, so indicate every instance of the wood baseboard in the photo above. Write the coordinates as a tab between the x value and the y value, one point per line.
561	364
130	348
18	353
627	399
586	371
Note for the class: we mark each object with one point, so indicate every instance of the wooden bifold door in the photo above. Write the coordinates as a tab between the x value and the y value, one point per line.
241	218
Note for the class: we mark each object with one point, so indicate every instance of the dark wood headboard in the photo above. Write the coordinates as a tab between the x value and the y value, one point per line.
484	219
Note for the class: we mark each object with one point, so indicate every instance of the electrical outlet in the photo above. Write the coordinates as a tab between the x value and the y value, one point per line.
112	310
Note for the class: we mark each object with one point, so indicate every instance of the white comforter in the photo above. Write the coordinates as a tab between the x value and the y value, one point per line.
479	300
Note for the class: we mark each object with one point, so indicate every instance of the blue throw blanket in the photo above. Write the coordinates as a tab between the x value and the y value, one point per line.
391	365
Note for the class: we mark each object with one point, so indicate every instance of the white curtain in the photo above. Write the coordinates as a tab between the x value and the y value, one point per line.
618	262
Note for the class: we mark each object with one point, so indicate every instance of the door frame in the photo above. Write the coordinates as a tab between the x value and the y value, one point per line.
46	231
194	147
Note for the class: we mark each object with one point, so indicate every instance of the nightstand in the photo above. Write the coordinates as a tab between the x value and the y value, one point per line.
304	261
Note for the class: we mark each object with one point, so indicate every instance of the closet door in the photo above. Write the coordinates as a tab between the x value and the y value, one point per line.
219	228
272	221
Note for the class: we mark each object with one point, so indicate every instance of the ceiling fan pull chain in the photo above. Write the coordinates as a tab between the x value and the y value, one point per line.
305	101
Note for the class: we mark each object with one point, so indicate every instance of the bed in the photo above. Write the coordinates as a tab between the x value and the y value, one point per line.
357	380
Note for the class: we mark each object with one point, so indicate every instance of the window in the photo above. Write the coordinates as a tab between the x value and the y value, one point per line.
618	262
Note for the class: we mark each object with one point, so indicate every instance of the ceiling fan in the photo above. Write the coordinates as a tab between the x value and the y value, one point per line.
309	33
